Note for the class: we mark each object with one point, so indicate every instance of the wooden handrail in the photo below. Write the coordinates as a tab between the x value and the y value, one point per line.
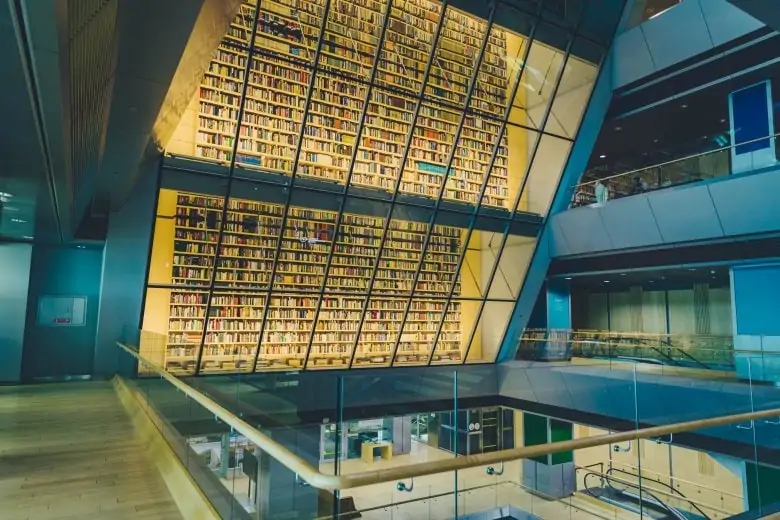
333	482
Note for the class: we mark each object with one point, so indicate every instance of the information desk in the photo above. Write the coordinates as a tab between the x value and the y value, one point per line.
367	450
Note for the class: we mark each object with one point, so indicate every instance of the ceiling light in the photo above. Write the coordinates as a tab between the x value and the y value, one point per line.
655	140
18	220
723	120
691	268
606	281
602	156
27	238
684	106
712	272
568	277
622	274
618	128
80	247
5	196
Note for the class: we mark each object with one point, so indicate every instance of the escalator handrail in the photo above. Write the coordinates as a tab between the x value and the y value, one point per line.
687	354
603	477
675	491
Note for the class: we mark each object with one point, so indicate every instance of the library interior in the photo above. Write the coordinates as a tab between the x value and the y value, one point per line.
389	160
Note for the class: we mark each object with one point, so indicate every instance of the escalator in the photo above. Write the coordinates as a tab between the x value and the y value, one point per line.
630	496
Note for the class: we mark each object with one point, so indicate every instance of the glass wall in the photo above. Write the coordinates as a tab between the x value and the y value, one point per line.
372	208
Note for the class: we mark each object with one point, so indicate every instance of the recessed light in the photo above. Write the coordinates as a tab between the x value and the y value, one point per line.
663	278
684	106
606	281
27	238
618	128
722	120
18	220
622	274
712	272
652	281
602	156
568	277
655	140
691	268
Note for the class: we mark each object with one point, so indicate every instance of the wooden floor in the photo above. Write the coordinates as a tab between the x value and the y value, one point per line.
67	451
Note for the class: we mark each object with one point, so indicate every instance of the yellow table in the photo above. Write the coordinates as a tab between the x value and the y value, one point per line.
367	450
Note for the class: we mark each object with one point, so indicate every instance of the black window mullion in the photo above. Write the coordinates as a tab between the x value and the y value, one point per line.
532	157
286	210
443	189
342	204
507	113
407	148
231	169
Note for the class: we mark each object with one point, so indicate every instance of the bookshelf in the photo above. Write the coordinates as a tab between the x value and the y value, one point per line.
277	89
184	255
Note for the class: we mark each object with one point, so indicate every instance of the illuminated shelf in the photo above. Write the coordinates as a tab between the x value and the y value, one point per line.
277	90
252	230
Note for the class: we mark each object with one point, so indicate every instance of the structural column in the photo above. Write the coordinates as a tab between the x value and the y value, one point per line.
552	475
755	298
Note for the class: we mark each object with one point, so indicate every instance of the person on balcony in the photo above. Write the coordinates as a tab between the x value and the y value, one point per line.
602	192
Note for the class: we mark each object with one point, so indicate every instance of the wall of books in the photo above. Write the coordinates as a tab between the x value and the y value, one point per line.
317	306
282	67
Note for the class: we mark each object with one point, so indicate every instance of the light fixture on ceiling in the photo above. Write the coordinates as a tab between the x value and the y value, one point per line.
5	196
27	237
723	120
18	220
622	274
683	106
618	128
80	247
568	277
655	140
691	268
606	281
602	156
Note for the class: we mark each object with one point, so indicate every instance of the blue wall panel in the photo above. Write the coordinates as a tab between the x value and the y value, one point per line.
62	351
630	223
582	231
747	204
699	222
757	299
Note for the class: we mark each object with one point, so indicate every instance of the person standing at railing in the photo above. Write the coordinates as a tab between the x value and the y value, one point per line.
639	186
602	192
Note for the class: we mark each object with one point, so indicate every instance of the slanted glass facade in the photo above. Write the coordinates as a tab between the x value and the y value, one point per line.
379	202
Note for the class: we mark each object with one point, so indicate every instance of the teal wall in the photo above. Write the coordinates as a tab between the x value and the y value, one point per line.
763	485
62	271
14	278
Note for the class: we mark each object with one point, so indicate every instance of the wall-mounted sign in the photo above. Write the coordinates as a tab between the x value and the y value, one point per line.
62	311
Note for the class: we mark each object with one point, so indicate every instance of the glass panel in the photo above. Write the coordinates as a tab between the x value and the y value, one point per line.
521	144
489	332
456	55
540	74
445	245
455	327
574	91
331	127
212	114
378	336
195	230
381	147
545	174
351	37
232	332
512	267
356	248
172	328
479	261
286	330
335	332
307	239
402	252
426	166
419	332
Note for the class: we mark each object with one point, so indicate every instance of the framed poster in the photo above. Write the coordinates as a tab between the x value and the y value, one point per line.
62	311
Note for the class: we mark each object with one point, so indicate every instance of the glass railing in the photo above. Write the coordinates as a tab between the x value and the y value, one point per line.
310	445
694	168
682	350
